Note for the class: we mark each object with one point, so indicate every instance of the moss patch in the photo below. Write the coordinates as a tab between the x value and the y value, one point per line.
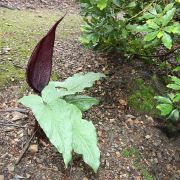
8	74
55	76
134	154
141	97
21	30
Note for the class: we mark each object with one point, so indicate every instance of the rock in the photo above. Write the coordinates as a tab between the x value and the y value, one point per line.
118	154
137	178
33	148
130	116
107	154
5	50
112	120
1	177
147	136
130	122
100	133
85	178
123	102
157	143
107	163
149	119
10	168
28	175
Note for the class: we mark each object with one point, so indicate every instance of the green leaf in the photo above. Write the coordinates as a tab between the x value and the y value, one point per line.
168	16
160	34
85	143
152	43
162	99
173	86
150	36
176	29
167	40
174	115
165	109
101	4
84	39
82	102
153	11
77	83
178	59
176	69
148	15
158	8
49	94
169	29
116	2
143	28
168	7
171	96
132	4
55	119
63	124
152	24
175	79
177	98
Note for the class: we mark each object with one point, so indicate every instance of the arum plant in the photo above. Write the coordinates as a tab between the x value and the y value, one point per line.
58	112
58	106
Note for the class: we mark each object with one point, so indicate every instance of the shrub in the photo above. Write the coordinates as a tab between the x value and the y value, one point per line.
121	25
169	105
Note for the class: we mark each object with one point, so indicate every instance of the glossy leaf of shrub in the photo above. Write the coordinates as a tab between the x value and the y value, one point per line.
101	4
63	124
40	63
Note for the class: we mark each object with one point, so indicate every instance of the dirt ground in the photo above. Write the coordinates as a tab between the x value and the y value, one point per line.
131	146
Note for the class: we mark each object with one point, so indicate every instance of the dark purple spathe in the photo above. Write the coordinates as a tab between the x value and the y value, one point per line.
39	66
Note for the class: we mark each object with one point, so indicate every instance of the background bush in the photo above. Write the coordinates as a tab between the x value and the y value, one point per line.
130	27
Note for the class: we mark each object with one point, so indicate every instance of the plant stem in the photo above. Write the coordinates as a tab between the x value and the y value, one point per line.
145	9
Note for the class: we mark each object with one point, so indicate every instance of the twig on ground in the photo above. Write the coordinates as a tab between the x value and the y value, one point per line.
25	148
15	109
8	124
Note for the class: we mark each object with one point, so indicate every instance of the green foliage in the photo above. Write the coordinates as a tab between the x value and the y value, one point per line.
129	26
146	175
134	153
169	105
159	25
59	115
130	152
141	97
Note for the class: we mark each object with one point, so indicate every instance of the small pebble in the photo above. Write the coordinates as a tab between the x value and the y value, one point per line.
85	178
118	154
1	177
147	136
10	168
33	148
